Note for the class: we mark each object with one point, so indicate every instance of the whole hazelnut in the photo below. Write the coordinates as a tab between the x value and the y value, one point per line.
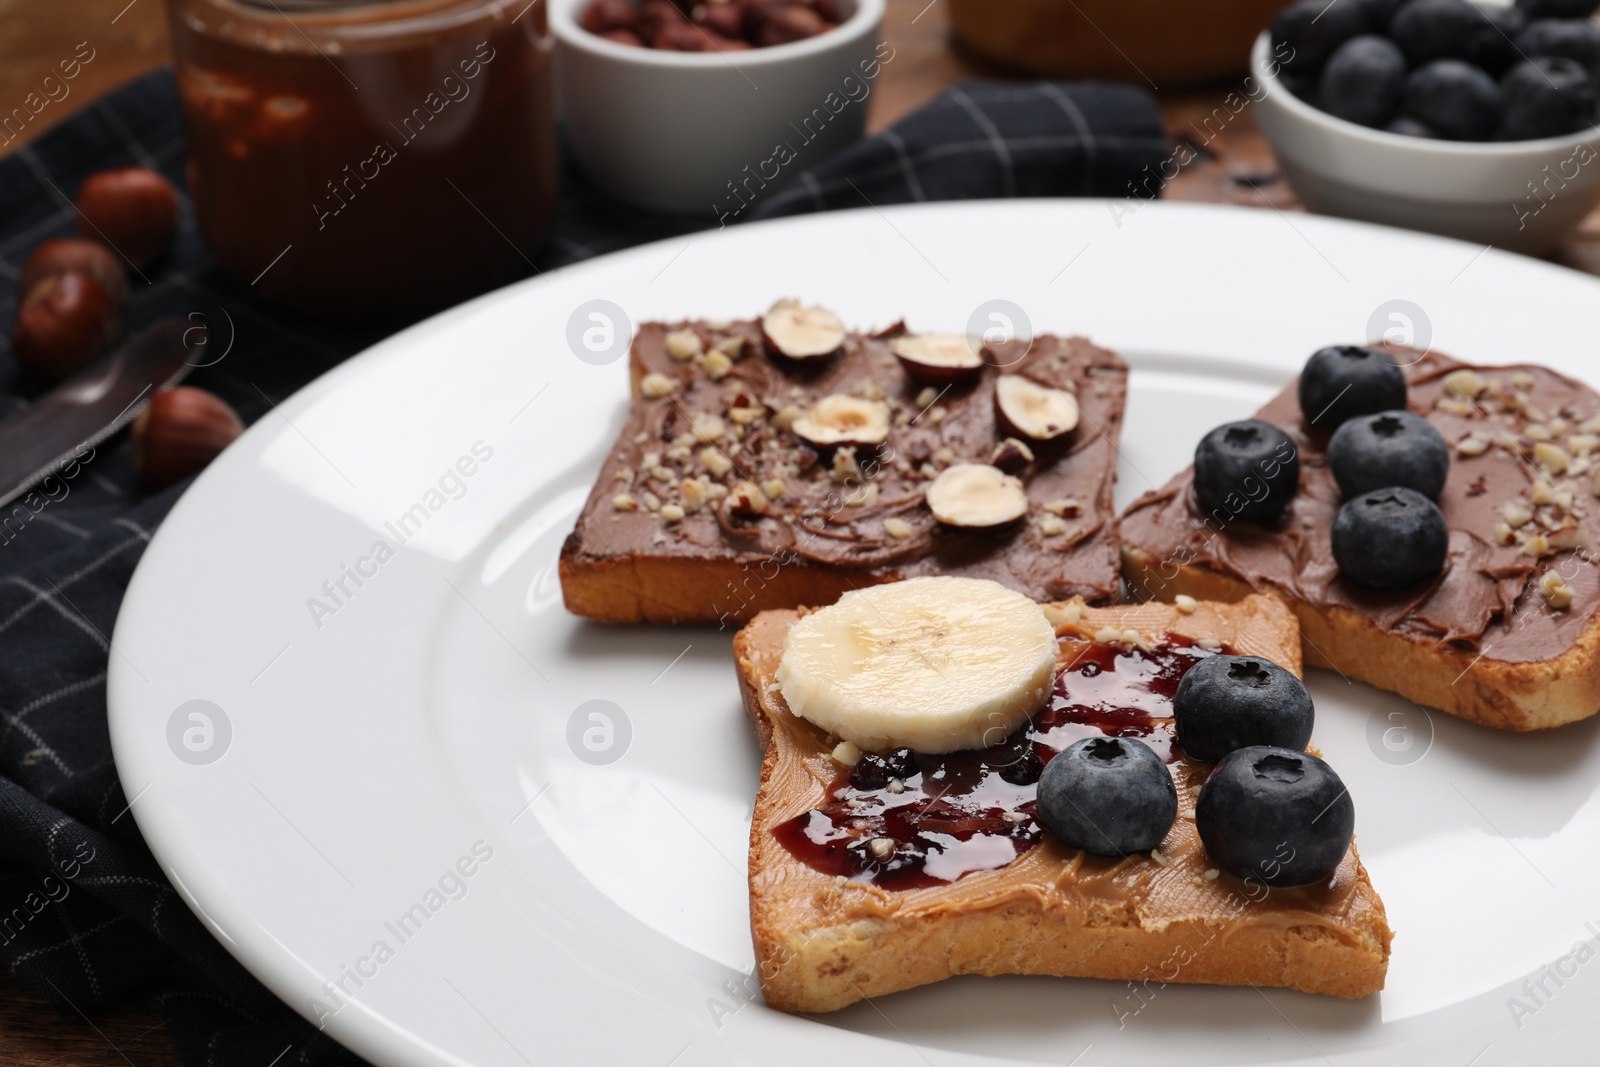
179	432
132	209
726	19
680	37
603	16
65	322
656	15
790	23
66	254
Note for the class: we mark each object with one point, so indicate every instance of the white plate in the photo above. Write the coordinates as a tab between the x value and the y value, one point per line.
371	749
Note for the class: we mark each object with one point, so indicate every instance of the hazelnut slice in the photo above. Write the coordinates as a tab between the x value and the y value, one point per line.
1011	455
802	332
976	495
937	358
1028	409
838	419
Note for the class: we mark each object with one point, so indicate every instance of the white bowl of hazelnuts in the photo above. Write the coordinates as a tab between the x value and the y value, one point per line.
708	107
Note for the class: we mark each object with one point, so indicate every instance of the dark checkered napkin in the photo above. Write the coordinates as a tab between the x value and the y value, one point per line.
86	916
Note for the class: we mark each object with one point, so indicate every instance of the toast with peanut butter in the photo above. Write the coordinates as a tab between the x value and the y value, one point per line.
860	888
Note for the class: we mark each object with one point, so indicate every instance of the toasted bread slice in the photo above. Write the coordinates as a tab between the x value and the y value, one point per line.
823	941
656	543
1508	636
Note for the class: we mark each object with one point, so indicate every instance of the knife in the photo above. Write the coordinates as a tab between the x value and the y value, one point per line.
93	404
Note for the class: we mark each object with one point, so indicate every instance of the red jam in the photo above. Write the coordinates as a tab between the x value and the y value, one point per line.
951	815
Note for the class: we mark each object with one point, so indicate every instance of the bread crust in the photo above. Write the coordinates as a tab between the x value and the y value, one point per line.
1507	696
821	945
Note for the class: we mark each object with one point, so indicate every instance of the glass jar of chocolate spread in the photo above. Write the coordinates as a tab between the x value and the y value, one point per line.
368	158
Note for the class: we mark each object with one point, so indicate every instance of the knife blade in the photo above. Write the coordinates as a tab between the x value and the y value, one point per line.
93	404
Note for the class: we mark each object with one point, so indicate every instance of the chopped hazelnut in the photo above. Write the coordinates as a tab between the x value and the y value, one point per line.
926	398
1108	635
747	500
846	753
784	418
1464	383
715	462
1185	603
882	847
1472	445
1565	537
1557	427
651	501
862	496
624	502
684	344
718	366
707	428
1537	431
1210	644
845	467
1052	526
1067	506
1552	458
1536	546
1516	513
898	528
744	416
731	346
671	513
773	488
1522	380
1555	590
1504	534
694	494
656	386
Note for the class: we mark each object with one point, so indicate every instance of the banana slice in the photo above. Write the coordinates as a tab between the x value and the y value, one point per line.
933	664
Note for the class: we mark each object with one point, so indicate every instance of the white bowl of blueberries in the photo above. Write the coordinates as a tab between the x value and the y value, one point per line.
1476	121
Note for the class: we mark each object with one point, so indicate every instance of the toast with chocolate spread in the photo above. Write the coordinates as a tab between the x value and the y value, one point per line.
784	460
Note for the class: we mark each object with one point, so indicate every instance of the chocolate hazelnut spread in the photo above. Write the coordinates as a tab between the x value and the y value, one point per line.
1520	583
715	413
368	157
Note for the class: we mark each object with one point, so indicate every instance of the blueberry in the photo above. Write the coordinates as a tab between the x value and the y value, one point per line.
1410	127
873	771
1458	100
1545	97
1492	48
1275	816
1394	448
1108	795
1302	85
1363	81
1427	30
1229	702
1343	381
1558	9
1381	12
1390	539
1574	39
1246	470
1021	764
1305	34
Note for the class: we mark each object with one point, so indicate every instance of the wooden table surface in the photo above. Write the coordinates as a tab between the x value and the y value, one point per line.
130	38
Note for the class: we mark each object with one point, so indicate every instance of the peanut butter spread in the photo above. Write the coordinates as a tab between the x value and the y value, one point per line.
1175	884
1521	581
713	419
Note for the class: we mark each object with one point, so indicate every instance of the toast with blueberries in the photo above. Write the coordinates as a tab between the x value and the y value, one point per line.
958	780
784	460
1430	523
